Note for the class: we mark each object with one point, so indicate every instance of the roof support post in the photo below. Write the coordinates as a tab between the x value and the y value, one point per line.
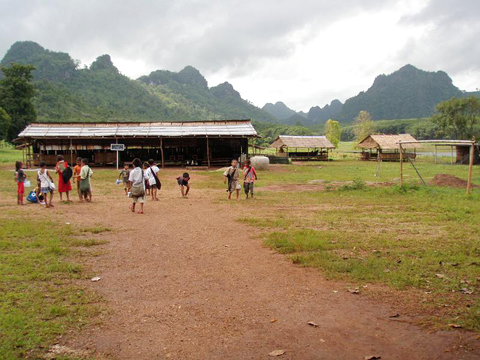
208	152
470	166
71	152
161	152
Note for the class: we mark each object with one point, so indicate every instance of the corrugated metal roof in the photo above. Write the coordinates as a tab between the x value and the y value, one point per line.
153	129
292	141
388	142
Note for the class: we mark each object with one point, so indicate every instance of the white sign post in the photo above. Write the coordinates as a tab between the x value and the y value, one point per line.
117	148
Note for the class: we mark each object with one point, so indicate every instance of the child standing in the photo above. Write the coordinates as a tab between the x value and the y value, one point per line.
85	186
124	175
137	185
231	174
46	184
76	176
20	178
249	178
182	181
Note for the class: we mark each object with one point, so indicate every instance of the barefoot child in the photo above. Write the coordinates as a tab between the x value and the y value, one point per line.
124	175
20	178
85	186
46	184
137	185
249	178
76	176
182	181
231	174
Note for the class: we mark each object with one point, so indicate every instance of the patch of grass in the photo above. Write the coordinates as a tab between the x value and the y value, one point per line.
98	229
8	154
38	301
410	237
358	184
87	242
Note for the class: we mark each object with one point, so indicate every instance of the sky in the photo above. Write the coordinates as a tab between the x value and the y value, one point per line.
302	52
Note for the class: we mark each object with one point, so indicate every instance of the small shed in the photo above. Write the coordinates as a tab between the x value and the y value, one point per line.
303	148
386	147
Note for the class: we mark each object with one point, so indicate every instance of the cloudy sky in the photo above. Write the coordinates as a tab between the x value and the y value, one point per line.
302	52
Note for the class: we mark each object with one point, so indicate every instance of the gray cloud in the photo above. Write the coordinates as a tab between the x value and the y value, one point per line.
451	39
214	35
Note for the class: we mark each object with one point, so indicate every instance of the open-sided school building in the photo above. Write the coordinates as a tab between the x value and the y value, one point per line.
196	143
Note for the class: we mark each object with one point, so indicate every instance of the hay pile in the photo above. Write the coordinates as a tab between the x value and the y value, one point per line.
449	180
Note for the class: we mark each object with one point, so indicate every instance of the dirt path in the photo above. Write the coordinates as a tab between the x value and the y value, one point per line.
186	281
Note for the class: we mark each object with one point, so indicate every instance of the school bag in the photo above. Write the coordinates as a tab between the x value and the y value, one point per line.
67	174
138	190
158	184
32	197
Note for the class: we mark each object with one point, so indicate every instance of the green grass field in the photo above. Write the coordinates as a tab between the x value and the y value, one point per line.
420	242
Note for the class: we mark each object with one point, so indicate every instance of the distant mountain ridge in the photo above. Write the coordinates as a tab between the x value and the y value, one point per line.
101	92
405	94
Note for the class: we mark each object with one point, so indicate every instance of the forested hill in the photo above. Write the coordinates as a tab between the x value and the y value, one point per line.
101	92
407	93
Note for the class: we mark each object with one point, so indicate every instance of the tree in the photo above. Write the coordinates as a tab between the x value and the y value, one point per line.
16	93
363	125
4	124
333	131
457	118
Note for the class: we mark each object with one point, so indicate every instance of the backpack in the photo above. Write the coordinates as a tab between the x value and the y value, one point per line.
67	174
32	197
138	190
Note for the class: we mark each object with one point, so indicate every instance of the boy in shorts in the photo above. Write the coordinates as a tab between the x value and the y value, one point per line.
182	181
232	174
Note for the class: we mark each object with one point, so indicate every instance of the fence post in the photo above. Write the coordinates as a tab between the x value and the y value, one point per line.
470	166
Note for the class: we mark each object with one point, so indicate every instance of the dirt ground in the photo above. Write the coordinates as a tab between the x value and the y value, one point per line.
187	281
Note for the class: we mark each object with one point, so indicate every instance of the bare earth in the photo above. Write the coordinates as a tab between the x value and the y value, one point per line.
187	281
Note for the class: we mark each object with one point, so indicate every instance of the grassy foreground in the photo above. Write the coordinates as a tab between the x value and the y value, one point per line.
423	242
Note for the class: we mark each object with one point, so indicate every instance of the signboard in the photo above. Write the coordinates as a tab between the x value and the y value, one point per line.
117	147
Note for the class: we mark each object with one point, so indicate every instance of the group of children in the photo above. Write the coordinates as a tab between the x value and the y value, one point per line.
43	193
139	180
232	176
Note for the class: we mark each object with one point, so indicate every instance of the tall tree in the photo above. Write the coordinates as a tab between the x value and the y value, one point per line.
363	125
4	124
333	131
16	93
457	118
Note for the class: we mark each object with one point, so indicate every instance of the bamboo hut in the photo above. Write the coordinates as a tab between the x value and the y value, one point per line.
303	148
386	147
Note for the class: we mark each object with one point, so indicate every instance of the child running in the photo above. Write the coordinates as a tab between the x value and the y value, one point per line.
46	184
182	181
76	176
249	178
20	178
85	185
231	174
137	185
124	175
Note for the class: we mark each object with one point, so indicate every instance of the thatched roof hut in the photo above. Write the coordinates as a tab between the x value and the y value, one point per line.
386	147
388	142
303	147
302	142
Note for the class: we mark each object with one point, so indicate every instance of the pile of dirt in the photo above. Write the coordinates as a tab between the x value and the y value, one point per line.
449	180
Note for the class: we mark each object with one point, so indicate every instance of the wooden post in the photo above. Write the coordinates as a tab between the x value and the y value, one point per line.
71	153
470	166
161	152
401	165
436	155
208	153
